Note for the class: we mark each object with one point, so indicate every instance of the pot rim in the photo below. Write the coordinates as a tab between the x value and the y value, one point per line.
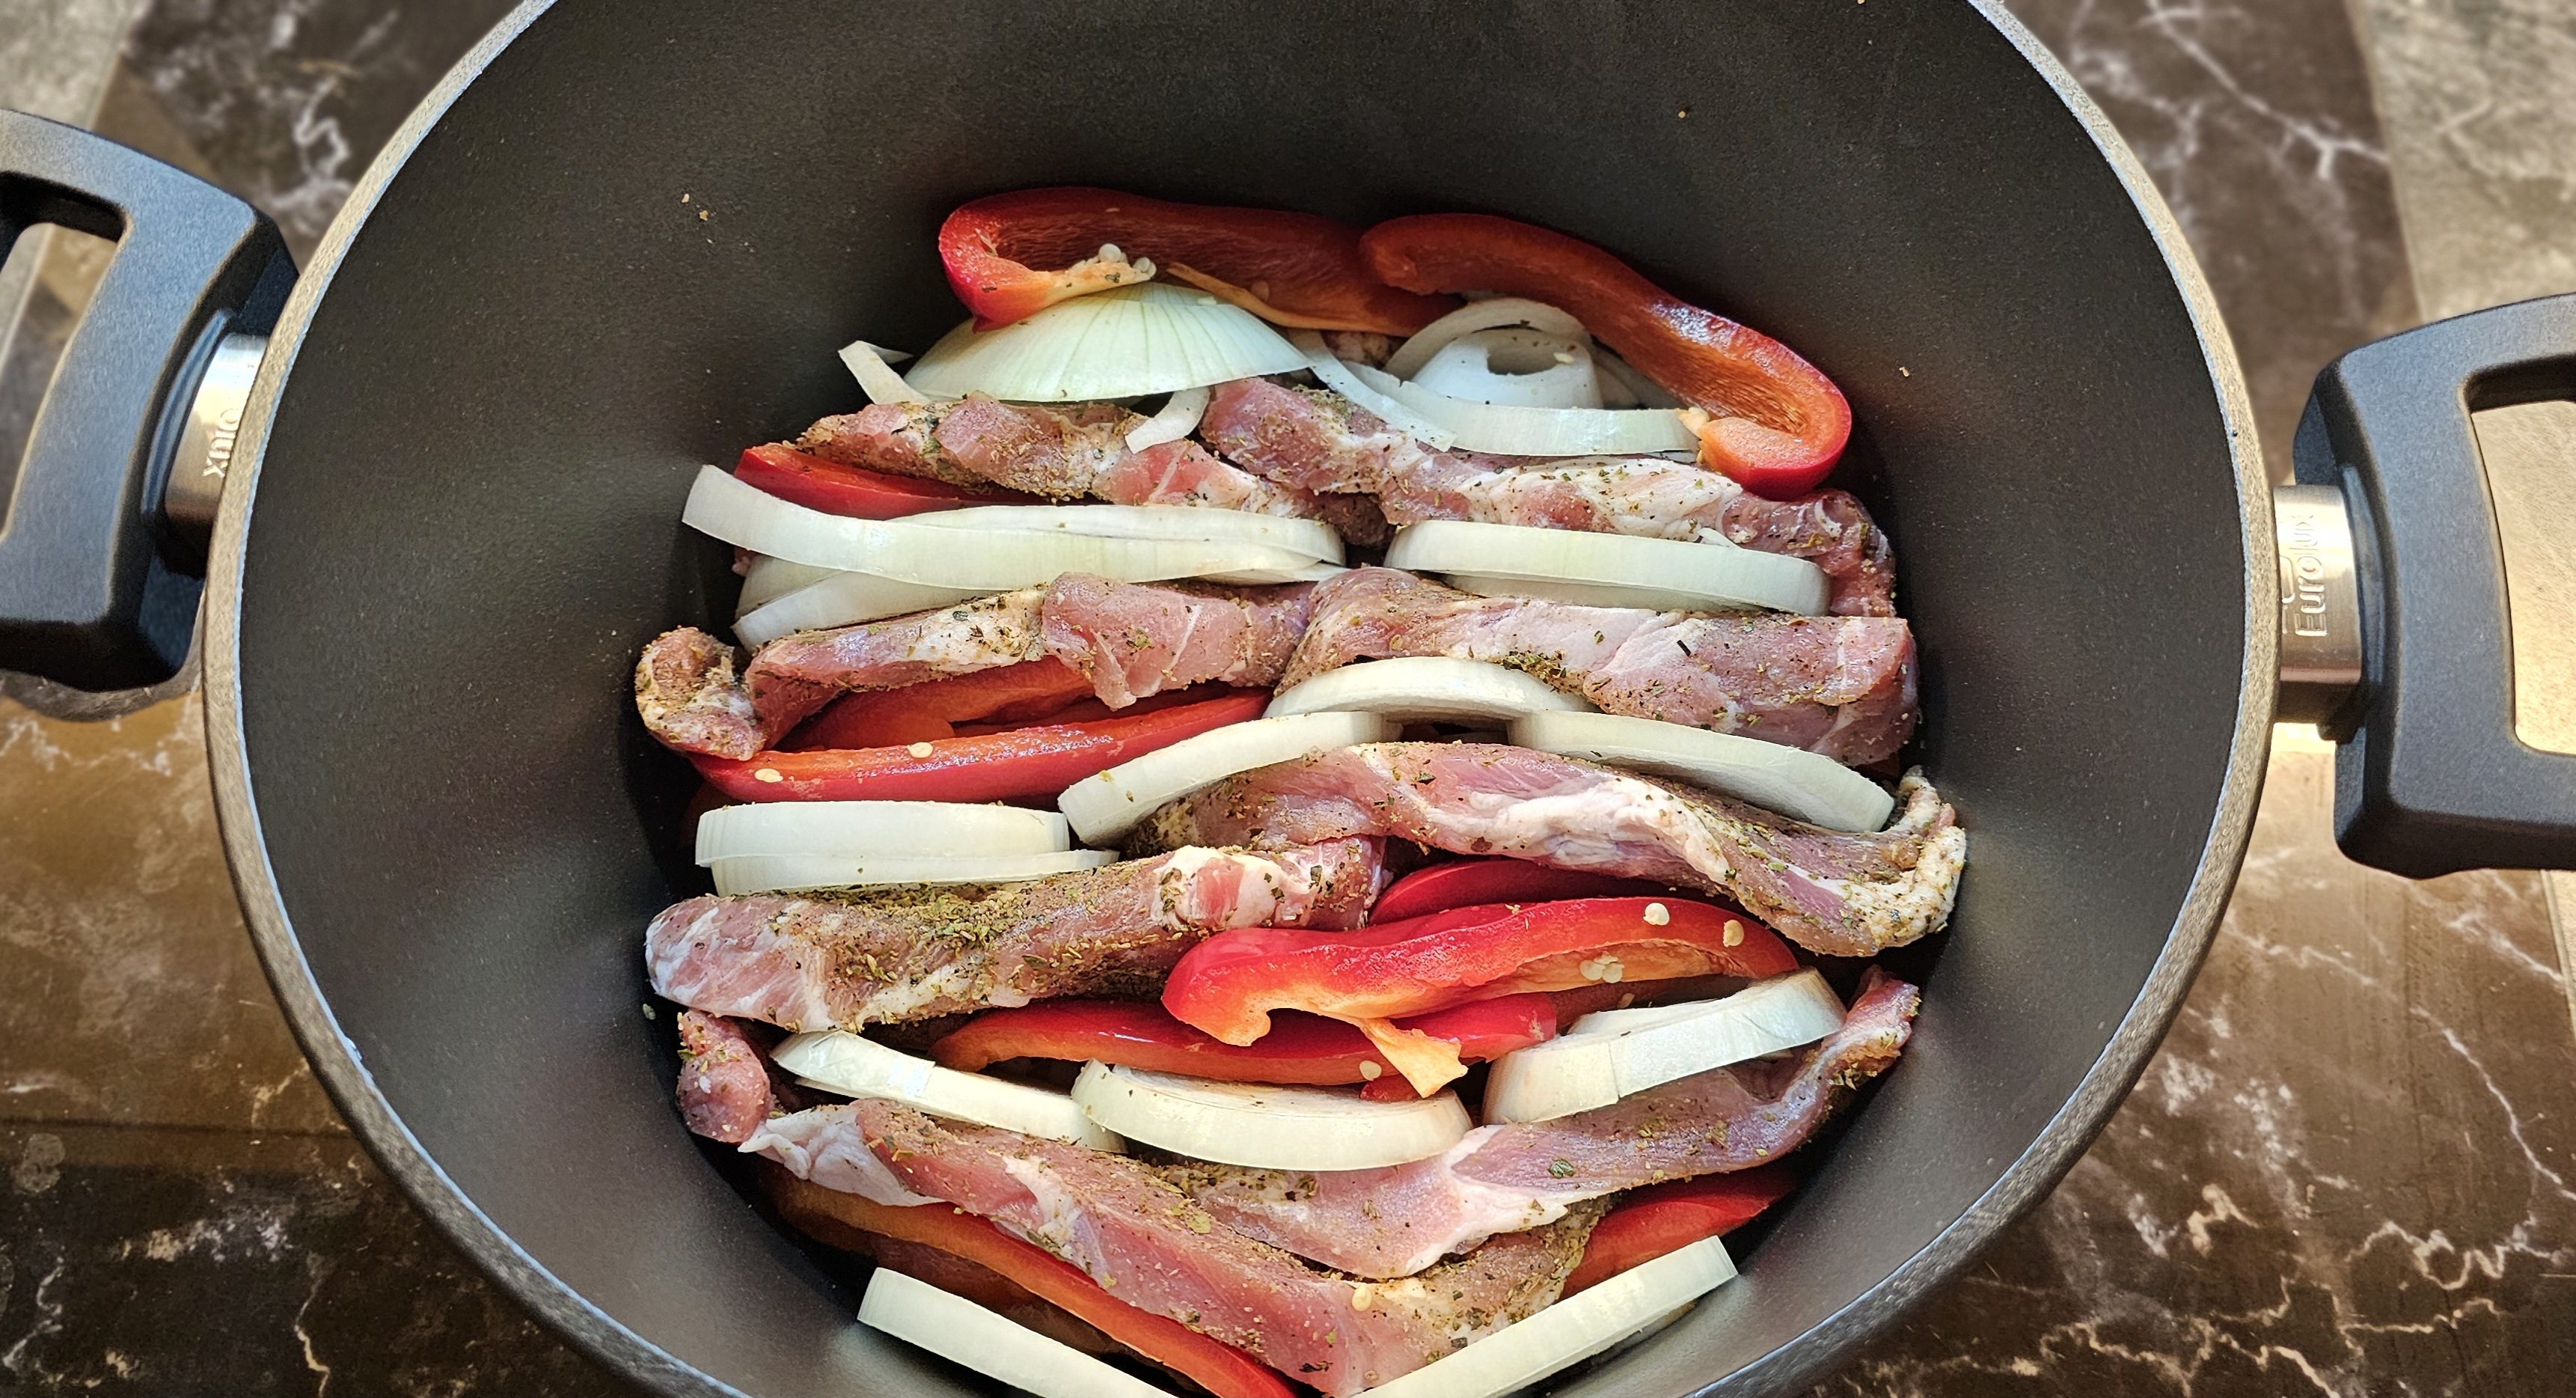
1791	1367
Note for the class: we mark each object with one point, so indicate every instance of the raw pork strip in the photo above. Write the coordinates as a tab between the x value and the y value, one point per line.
724	1079
1131	639
1135	639
1063	453
1833	892
1840	686
1317	441
826	960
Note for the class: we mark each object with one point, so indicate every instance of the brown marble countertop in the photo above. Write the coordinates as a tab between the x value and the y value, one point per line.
2348	1171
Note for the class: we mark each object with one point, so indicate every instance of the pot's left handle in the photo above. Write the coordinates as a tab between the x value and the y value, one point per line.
91	557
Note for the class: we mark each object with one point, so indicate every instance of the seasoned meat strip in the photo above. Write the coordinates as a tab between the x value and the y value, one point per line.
1840	686
1064	453
1131	639
1313	439
1395	1221
688	697
1318	441
1832	892
846	959
724	1079
900	439
1137	1234
797	674
686	692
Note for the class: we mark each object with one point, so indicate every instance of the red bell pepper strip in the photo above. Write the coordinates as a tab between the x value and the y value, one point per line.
931	711
1299	1048
1764	416
1229	984
1662	1218
1212	1364
1037	761
1293	269
836	489
1465	883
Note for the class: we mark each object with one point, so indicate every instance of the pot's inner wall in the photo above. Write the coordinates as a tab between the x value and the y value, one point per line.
467	522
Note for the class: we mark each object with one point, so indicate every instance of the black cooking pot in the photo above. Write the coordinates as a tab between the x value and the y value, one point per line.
454	496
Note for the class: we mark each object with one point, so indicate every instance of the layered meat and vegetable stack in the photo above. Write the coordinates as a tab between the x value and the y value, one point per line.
1286	825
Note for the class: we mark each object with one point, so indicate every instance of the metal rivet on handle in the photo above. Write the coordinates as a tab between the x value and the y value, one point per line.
205	452
2320	603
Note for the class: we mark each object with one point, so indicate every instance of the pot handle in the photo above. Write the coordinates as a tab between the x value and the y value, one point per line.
2396	637
91	587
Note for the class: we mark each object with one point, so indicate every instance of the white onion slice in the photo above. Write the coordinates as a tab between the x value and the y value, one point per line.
1513	431
1345	378
772	578
983	560
773	873
1122	343
1311	538
768	579
1426	689
1494	312
1693	576
1107	805
1178	418
1598	1061
842	599
873	367
999	1348
864	828
1572	1330
1266	1125
1798	784
857	1067
1522	368
828	597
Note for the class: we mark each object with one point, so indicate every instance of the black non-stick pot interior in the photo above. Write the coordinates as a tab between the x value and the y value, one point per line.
631	246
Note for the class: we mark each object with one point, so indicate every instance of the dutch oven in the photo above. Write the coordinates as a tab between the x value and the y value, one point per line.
451	452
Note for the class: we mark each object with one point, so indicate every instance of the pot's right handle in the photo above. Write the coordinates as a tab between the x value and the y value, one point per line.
87	544
2431	777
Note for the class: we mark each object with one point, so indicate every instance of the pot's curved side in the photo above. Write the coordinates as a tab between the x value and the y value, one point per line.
2029	1179
335	1059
